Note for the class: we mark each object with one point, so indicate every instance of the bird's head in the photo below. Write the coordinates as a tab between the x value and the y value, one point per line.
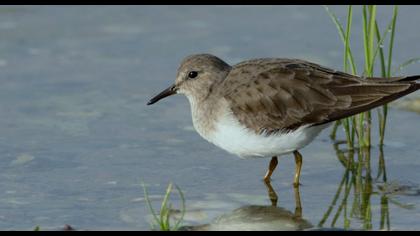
197	77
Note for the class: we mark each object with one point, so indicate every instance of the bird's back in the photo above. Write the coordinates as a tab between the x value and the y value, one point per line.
275	94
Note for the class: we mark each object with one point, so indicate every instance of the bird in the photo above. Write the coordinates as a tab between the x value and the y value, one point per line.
271	107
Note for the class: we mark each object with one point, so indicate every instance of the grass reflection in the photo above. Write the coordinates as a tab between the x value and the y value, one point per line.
353	199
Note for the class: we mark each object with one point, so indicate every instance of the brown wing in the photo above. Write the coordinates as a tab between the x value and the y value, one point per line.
283	94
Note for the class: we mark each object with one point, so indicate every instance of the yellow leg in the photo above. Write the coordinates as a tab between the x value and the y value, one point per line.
298	160
298	209
271	167
271	194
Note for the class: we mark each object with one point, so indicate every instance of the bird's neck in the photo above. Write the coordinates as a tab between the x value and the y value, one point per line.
205	113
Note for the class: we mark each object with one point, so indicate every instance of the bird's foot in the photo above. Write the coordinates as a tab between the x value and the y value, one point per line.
297	185
267	180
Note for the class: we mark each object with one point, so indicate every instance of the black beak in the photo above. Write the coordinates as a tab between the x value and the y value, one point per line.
165	93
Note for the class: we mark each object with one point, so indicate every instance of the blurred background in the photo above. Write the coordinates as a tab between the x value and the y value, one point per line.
77	139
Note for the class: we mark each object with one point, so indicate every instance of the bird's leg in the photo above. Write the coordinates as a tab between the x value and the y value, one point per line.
271	193
271	167
298	209
298	160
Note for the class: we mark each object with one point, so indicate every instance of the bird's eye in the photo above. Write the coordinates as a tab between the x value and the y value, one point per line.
192	74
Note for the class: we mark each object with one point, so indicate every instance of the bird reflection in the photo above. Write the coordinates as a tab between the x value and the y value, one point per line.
259	217
363	193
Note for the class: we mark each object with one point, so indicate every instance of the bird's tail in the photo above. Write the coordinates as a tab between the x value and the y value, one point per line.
385	90
413	79
395	79
410	78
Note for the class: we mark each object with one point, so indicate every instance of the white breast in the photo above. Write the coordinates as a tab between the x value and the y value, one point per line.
235	138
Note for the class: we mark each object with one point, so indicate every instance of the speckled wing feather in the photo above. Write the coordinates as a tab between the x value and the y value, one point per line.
270	95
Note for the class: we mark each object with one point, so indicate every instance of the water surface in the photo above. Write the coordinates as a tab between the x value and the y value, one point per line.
77	137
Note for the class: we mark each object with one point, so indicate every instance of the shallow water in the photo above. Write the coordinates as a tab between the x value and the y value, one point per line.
77	139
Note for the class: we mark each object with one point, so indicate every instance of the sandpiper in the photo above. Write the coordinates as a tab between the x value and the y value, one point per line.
269	107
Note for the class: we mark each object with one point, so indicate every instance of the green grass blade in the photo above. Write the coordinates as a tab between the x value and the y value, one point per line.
333	133
349	53
337	23
391	42
342	34
178	223
166	217
402	205
348	56
149	204
379	48
369	21
365	40
164	210
335	199
348	131
380	40
347	188
386	71
371	35
405	64
359	126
